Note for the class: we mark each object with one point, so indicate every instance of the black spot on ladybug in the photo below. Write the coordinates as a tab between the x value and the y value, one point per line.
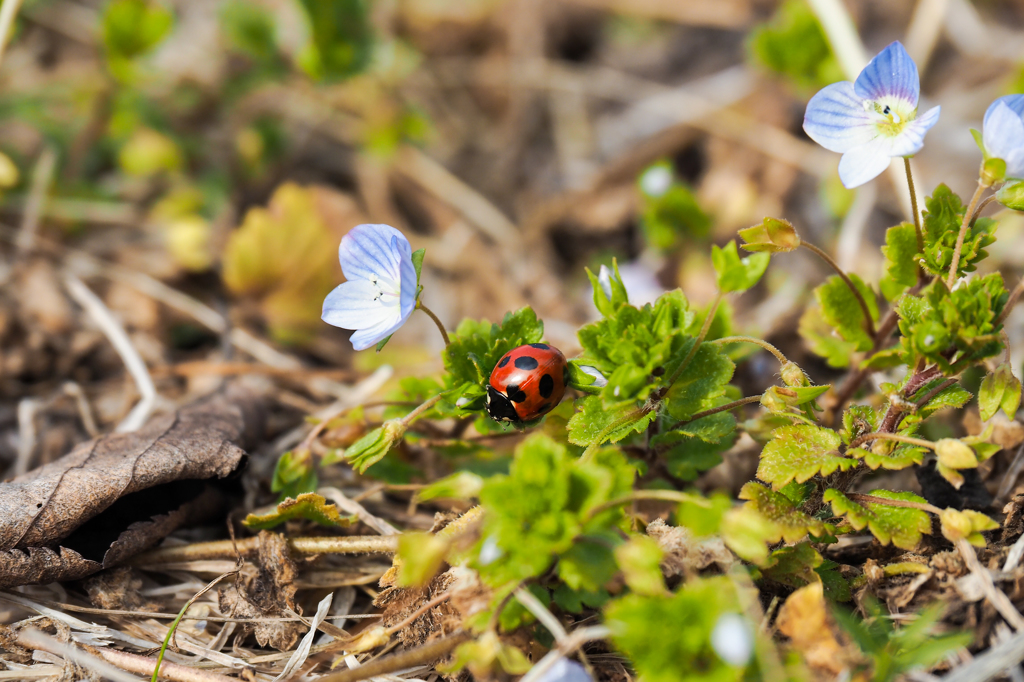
547	385
499	407
504	361
514	394
541	346
526	362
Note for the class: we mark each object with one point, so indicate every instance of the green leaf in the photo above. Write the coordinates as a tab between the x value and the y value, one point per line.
782	398
639	560
672	217
900	253
462	485
793	566
419	558
250	29
767	518
686	455
307	506
900	457
943	216
704	520
342	38
592	419
609	291
794	45
477	346
372	447
771	236
822	341
131	28
294	474
669	654
999	389
800	452
735	273
902	526
701	383
383	342
842	311
417	262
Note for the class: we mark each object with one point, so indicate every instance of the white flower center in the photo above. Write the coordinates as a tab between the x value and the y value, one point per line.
386	290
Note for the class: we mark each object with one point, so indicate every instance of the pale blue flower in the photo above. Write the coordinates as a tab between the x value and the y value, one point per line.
380	292
565	670
733	639
1003	133
872	120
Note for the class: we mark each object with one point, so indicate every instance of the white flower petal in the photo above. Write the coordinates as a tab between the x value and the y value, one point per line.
892	73
352	306
911	138
864	163
604	278
1015	102
368	250
1003	131
565	670
837	120
369	336
407	276
1015	163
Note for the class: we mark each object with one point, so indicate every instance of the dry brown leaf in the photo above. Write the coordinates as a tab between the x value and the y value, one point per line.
114	496
804	620
683	552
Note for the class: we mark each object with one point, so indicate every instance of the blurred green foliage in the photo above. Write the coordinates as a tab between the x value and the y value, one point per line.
794	45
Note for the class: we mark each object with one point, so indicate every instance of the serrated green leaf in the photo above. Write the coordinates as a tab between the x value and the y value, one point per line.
592	419
476	346
902	526
822	339
942	219
768	517
710	429
701	383
900	457
900	253
307	506
842	311
793	566
735	273
800	452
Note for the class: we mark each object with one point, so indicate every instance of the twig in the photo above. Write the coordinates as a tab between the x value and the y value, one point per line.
935	391
82	404
1012	474
567	645
869	324
352	507
664	495
541	613
115	333
27	409
996	597
145	665
968	217
31	638
1010	302
342	544
439	599
302	651
715	410
991	663
882	435
421	655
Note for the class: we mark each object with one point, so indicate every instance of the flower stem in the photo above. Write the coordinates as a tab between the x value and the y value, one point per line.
750	339
437	321
981	207
715	410
412	416
879	435
968	218
699	340
869	324
873	499
913	207
665	495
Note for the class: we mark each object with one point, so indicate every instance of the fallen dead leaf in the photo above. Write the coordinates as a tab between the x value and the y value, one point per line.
114	496
803	619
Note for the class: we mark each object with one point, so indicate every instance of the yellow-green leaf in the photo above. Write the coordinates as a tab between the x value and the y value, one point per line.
307	506
797	453
902	526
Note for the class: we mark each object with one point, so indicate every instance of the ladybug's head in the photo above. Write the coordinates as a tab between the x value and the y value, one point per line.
500	407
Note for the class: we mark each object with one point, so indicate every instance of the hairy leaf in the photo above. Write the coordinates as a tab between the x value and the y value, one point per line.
800	452
842	311
306	506
901	526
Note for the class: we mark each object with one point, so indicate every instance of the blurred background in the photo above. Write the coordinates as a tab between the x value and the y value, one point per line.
194	163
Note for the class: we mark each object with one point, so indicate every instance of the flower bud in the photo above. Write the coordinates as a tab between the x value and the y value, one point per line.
772	235
792	375
993	170
955	454
1011	195
931	337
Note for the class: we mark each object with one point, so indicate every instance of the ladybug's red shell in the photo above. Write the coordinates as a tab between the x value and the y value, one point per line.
527	382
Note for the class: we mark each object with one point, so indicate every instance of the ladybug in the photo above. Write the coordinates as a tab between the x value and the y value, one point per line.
526	383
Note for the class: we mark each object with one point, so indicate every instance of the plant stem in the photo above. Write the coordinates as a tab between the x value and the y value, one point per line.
869	324
410	658
968	218
881	435
981	207
913	208
437	321
935	391
859	497
699	340
412	416
715	410
750	339
664	495
633	416
1010	302
225	549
